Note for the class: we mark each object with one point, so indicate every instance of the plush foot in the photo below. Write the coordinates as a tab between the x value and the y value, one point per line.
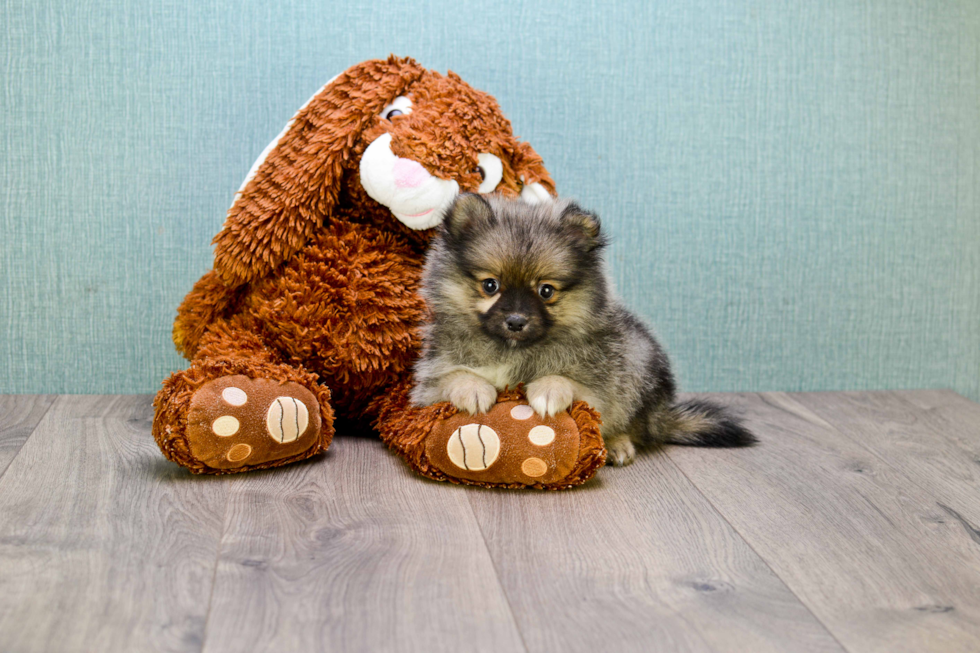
510	445
235	422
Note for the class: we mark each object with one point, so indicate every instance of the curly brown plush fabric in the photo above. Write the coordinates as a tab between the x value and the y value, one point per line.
314	282
405	428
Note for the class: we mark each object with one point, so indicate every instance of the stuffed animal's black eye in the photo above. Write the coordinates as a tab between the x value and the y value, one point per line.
400	106
547	291
491	171
490	286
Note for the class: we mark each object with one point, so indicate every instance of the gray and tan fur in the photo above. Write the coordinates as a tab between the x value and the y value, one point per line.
519	293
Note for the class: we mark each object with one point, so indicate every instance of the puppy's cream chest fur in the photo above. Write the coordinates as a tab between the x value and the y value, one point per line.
500	375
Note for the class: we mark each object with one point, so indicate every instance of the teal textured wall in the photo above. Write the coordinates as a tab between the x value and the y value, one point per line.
791	186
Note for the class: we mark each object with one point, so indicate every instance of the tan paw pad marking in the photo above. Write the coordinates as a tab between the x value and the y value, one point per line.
534	467
234	396
225	425
239	452
521	412
287	419
541	435
473	446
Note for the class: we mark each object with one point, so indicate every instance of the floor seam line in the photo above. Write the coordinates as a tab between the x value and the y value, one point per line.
57	399
496	575
217	562
753	549
874	454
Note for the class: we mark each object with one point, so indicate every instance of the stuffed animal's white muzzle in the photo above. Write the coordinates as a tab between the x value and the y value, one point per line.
414	196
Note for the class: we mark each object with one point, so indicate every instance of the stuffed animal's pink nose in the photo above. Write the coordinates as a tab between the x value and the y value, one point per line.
409	174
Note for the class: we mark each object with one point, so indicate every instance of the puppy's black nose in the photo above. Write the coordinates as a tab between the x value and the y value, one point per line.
516	322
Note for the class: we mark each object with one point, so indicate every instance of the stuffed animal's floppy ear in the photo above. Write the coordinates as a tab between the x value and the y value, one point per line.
294	185
466	210
584	226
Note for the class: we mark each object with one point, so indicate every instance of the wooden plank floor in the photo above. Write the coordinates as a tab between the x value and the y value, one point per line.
853	526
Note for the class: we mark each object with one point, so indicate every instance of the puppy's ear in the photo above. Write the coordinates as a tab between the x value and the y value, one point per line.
584	226
295	185
467	210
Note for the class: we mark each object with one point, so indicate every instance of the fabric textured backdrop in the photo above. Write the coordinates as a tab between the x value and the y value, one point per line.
791	187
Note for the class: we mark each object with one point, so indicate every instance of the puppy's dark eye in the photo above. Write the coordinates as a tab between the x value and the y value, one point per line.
480	171
490	286
547	291
394	112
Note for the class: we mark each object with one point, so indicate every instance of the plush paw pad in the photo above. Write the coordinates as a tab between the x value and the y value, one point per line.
473	447
509	444
235	421
534	467
287	419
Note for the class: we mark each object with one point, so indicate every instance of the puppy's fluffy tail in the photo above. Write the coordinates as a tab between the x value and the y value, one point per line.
701	423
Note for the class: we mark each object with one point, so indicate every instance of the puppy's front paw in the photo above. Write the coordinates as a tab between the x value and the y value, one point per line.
550	395
621	451
472	394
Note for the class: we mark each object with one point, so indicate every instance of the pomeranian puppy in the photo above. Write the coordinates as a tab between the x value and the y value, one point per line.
519	293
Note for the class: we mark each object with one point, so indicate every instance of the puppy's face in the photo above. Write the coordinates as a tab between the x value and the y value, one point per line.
520	273
514	299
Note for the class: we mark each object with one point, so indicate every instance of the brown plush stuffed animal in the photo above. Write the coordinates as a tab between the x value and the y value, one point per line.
312	307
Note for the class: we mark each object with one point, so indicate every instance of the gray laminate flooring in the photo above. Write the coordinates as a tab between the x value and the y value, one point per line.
853	526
